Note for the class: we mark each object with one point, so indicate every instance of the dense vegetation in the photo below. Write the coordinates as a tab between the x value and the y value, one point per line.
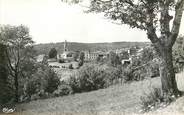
178	54
20	74
5	87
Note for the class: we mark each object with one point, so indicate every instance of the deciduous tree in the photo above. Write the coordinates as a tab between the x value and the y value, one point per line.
19	49
52	53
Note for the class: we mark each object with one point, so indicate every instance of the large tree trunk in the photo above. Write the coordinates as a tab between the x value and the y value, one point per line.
167	73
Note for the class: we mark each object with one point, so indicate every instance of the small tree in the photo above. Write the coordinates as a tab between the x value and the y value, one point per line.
76	55
52	53
81	58
70	66
114	59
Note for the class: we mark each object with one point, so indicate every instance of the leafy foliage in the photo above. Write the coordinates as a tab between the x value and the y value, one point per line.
81	58
5	87
145	65
41	83
70	66
19	49
52	53
114	59
62	90
92	77
178	54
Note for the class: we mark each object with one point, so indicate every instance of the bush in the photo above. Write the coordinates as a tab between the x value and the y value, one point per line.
139	71
70	66
127	74
41	84
89	77
53	81
178	54
155	99
61	61
92	77
113	75
63	90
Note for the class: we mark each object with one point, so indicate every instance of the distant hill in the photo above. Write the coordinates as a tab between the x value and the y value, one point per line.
75	46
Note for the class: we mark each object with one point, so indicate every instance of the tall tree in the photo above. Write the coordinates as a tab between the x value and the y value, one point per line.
152	16
19	48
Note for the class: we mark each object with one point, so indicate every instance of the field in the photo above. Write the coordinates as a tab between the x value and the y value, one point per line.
117	99
62	69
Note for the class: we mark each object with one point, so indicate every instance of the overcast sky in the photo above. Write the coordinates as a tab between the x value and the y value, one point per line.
53	21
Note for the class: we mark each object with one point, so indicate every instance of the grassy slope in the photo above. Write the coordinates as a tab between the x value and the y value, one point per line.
117	99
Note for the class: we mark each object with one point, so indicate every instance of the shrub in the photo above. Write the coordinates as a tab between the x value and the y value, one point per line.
61	61
73	82
154	67
113	75
41	84
178	54
53	81
70	66
63	90
127	74
89	77
155	99
81	63
139	71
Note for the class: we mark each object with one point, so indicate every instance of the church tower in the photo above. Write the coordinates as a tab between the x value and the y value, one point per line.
65	46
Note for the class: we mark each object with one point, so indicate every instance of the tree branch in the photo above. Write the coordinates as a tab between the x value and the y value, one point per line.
165	19
9	62
177	21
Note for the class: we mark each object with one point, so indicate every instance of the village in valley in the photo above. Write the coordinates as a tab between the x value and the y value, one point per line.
69	60
91	57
